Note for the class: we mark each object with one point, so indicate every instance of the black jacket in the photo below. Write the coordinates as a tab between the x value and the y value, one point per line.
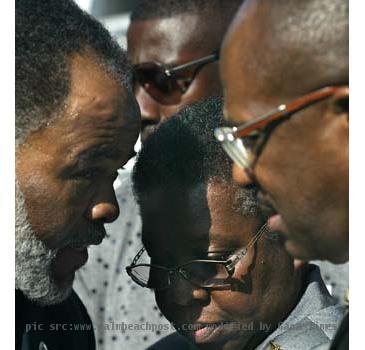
66	326
341	341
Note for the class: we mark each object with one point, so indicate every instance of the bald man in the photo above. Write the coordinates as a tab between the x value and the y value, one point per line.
292	54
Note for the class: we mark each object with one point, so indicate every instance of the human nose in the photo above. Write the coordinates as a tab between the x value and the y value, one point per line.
105	207
149	107
184	293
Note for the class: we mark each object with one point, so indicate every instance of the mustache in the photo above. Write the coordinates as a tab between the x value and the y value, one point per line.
266	207
93	236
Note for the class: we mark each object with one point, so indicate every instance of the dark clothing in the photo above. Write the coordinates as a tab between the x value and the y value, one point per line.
65	326
341	340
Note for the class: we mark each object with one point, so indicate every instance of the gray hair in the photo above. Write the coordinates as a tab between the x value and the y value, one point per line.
48	33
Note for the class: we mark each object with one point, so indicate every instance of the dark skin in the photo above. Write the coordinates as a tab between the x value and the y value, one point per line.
174	41
66	170
303	169
198	223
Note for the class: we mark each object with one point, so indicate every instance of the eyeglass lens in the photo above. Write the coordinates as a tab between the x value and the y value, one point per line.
158	85
203	274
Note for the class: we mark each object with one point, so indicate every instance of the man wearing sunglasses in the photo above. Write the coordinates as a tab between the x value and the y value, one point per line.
174	48
285	71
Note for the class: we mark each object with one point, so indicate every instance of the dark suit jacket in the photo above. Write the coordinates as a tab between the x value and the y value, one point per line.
66	326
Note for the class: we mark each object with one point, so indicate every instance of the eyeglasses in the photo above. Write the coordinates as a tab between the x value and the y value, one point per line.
244	143
167	84
200	273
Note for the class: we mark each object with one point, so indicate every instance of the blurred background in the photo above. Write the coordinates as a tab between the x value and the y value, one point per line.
114	14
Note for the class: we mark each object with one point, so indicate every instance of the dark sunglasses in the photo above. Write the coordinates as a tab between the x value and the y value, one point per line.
166	84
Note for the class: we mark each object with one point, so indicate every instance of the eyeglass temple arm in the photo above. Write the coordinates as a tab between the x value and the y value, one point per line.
211	58
283	110
236	258
138	255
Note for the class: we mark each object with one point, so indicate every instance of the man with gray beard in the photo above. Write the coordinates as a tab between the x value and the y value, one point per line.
76	123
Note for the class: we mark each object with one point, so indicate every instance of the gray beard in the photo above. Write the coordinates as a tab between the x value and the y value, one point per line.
33	261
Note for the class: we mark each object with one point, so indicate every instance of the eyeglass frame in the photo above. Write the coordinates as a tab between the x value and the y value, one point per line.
263	125
229	264
170	72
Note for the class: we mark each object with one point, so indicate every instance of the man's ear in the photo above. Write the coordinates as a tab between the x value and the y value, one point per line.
340	102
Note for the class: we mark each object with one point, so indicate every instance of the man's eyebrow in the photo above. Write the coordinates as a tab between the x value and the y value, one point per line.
229	242
97	153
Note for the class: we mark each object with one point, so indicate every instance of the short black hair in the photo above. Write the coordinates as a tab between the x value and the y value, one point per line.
151	9
183	152
48	33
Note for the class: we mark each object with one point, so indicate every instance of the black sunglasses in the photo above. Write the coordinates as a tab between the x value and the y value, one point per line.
166	84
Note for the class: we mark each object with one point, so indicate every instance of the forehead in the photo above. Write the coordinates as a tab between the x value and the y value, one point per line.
99	112
195	217
243	74
262	65
92	87
170	39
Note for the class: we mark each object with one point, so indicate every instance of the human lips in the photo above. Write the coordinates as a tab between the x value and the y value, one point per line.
276	223
84	244
75	254
208	332
67	261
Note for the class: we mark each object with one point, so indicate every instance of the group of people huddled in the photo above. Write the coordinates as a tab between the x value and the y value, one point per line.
241	181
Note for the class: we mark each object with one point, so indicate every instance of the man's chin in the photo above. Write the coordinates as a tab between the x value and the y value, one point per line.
66	282
54	296
299	251
33	260
34	278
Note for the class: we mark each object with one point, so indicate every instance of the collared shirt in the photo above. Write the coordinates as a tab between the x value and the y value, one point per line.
313	322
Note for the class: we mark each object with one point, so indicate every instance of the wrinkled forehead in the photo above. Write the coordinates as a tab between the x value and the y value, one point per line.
98	102
168	40
99	115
